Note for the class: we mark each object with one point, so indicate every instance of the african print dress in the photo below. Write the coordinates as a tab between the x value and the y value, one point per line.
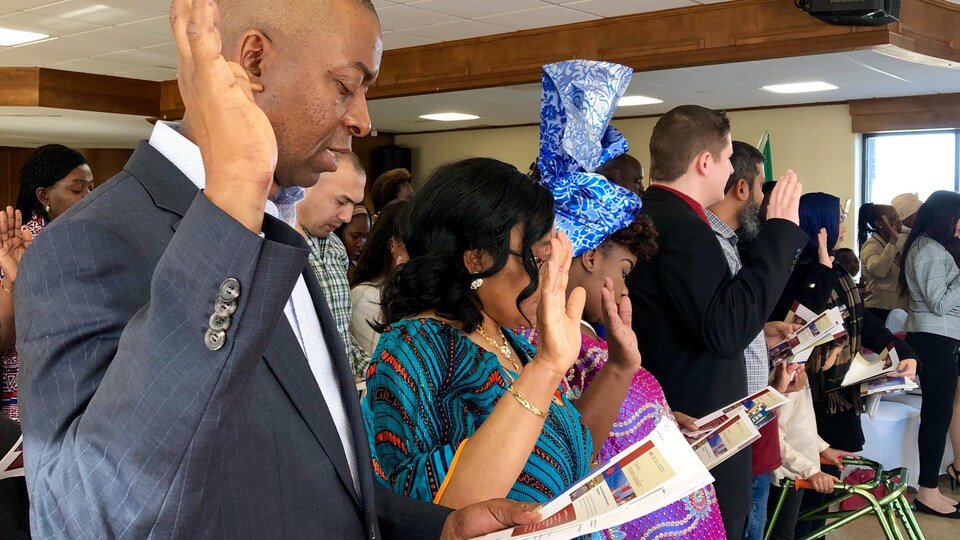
428	390
695	517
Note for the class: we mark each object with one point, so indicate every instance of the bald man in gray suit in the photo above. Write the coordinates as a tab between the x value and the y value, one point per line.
182	376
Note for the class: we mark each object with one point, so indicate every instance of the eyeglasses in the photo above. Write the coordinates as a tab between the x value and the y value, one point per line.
538	261
845	211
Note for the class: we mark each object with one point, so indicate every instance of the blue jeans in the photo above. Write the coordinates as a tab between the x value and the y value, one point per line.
757	519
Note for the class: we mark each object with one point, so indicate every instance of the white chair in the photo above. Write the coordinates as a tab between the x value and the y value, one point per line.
896	320
891	437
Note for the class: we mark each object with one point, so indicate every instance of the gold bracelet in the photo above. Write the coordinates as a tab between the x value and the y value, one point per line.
526	404
4	287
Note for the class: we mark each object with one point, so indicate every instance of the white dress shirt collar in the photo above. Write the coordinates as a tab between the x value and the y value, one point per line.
185	155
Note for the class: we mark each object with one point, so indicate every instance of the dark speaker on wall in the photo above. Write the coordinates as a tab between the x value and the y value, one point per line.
855	12
389	157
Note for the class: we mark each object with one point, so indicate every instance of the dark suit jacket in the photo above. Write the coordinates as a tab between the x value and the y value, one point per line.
133	428
694	319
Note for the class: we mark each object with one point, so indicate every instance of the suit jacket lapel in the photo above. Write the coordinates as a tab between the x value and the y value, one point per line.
288	363
348	388
169	188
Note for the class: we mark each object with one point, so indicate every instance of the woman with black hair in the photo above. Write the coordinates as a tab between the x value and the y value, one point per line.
458	408
382	254
53	178
931	276
880	241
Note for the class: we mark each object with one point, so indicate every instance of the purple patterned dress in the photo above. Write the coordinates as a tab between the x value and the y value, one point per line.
695	517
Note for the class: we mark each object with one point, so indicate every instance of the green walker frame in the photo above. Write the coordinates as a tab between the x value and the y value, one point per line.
890	509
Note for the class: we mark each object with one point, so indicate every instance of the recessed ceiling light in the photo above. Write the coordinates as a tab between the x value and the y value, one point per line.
798	88
9	38
631	101
449	117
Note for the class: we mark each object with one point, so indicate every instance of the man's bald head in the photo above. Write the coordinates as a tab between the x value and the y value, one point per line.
277	20
310	64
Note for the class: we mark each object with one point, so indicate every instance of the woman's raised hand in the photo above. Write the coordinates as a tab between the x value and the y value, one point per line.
624	351
558	317
14	240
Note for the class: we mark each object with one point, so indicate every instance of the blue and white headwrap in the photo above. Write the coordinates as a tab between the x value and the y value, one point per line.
578	100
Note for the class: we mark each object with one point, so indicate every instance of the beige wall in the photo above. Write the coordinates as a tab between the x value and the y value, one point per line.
817	142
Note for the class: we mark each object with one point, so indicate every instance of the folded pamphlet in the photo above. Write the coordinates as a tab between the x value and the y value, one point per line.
725	432
652	473
864	370
815	330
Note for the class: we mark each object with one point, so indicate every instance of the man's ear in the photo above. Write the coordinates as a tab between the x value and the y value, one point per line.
253	51
742	190
703	162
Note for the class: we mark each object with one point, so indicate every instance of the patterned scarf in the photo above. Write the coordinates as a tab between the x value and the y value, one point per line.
826	384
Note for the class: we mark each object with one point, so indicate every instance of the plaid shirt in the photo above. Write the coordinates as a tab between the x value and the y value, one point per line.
755	356
328	258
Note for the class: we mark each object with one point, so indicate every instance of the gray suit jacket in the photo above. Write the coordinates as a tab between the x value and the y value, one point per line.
133	428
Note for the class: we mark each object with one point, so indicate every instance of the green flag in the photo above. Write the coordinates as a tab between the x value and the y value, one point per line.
768	160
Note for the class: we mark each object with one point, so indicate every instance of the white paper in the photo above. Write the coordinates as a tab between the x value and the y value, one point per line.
862	369
734	434
650	474
887	385
823	328
758	406
11	465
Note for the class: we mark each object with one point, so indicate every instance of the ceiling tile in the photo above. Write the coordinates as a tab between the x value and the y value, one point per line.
471	9
122	38
461	29
399	40
539	18
51	26
97	11
162	55
157	25
21	57
615	8
400	17
753	74
9	6
67	47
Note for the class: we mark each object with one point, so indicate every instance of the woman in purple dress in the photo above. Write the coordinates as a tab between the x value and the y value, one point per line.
697	516
608	238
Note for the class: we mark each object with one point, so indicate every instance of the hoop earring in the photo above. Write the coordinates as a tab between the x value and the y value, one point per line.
476	284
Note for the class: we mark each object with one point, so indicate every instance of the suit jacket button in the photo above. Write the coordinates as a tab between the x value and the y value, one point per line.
224	308
230	289
219	322
214	339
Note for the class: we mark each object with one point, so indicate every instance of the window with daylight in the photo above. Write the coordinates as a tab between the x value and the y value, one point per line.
910	161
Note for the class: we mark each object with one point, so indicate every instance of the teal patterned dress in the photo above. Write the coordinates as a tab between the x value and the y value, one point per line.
429	388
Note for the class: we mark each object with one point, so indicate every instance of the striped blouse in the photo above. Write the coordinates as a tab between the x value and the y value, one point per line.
428	390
